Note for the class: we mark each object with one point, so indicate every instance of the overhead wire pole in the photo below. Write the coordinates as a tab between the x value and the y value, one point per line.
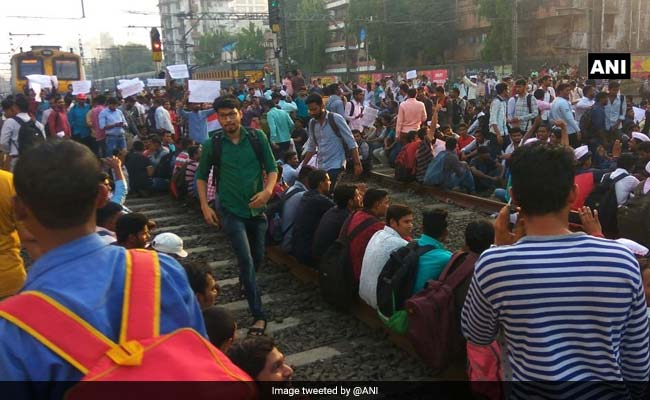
515	39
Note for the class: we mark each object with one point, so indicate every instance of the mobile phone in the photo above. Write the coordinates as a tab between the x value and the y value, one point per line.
574	218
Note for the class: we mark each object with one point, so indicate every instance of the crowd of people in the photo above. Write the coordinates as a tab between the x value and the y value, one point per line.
285	165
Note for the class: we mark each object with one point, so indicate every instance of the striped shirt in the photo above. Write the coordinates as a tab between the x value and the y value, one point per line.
572	307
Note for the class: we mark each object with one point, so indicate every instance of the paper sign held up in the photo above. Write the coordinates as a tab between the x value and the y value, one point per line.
81	87
412	74
178	71
131	89
203	91
156	82
369	116
44	80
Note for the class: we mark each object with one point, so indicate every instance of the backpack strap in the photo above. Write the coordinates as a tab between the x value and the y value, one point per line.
457	270
56	328
359	228
217	151
337	131
141	305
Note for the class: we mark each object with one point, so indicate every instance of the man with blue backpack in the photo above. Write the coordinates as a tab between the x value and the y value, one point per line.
448	171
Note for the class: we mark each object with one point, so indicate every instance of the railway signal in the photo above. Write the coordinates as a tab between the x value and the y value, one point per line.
274	15
156	45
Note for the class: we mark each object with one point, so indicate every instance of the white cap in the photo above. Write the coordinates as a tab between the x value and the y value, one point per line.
581	152
634	247
283	93
640	136
531	140
169	243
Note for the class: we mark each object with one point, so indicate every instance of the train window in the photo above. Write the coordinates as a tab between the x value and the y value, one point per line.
30	66
66	69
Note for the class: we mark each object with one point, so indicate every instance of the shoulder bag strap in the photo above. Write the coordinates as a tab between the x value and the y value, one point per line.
216	157
359	228
466	268
141	306
57	328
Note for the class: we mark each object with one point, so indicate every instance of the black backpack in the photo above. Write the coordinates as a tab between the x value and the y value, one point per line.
165	167
585	122
274	211
603	199
634	217
217	149
178	187
457	113
397	278
151	119
336	279
28	135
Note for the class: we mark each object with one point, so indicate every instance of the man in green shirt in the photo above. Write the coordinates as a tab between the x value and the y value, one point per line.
434	233
242	193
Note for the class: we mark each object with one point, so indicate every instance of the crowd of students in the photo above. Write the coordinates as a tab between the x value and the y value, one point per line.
542	286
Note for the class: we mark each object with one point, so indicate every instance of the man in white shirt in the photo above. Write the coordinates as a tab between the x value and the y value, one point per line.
549	93
625	186
585	103
471	87
396	233
354	110
163	119
11	127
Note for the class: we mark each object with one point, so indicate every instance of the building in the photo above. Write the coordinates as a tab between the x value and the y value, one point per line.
358	59
185	21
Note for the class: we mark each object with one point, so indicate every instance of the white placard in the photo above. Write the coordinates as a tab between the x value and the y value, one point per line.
36	87
412	74
203	91
81	87
44	80
639	114
369	116
156	82
131	89
178	71
128	82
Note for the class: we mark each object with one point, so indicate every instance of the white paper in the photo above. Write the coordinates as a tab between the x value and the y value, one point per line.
81	87
156	82
128	82
131	88
178	71
55	81
60	134
36	87
203	91
412	74
369	116
44	80
639	114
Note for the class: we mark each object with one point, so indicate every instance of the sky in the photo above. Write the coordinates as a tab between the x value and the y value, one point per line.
101	16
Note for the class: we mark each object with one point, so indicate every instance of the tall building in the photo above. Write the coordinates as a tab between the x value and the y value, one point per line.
358	59
185	21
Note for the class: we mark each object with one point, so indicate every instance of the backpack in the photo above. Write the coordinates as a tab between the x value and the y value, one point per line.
151	119
28	135
434	174
634	217
336	279
142	354
484	370
335	128
585	122
274	211
603	199
165	166
456	113
217	150
434	328
178	186
403	172
396	281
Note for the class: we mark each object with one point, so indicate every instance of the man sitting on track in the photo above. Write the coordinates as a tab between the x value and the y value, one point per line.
132	231
261	359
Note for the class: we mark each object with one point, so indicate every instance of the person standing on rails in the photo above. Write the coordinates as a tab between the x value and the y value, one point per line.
113	122
244	155
411	114
571	306
332	142
9	142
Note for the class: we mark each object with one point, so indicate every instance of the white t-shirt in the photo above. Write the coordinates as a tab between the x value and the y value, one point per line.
625	186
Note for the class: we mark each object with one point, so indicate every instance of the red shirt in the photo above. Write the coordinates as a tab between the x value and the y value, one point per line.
411	151
360	242
462	142
58	122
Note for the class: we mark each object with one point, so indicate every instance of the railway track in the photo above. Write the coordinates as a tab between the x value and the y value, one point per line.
321	343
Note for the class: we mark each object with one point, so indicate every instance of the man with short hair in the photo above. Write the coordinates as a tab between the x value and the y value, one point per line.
546	86
313	204
291	203
99	105
375	206
434	233
57	121
522	107
323	137
11	127
354	110
585	103
561	110
202	282
280	127
261	359
243	193
615	110
162	116
112	122
197	120
77	119
498	113
546	287
395	235
132	231
140	169
411	114
290	164
455	172
335	101
348	199
57	192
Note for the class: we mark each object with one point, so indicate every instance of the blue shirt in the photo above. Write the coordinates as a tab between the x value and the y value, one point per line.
561	109
335	105
280	125
77	120
289	210
431	263
614	112
331	154
87	276
108	117
303	111
197	122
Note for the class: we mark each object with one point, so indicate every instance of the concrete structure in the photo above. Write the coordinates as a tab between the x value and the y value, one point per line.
358	59
185	21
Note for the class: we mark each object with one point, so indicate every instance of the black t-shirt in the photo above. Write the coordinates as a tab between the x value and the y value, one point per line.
136	165
308	215
328	229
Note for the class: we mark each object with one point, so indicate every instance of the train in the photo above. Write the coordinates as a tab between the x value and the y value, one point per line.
45	60
233	73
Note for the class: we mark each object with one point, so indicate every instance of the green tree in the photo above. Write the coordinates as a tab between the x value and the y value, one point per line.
498	45
122	60
307	33
250	43
208	47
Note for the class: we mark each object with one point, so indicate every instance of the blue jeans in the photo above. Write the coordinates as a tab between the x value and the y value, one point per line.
466	181
334	176
100	148
114	142
247	237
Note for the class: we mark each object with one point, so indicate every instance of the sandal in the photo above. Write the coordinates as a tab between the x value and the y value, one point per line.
254	331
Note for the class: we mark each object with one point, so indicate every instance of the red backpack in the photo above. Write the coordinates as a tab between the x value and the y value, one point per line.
404	168
434	328
142	354
484	370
